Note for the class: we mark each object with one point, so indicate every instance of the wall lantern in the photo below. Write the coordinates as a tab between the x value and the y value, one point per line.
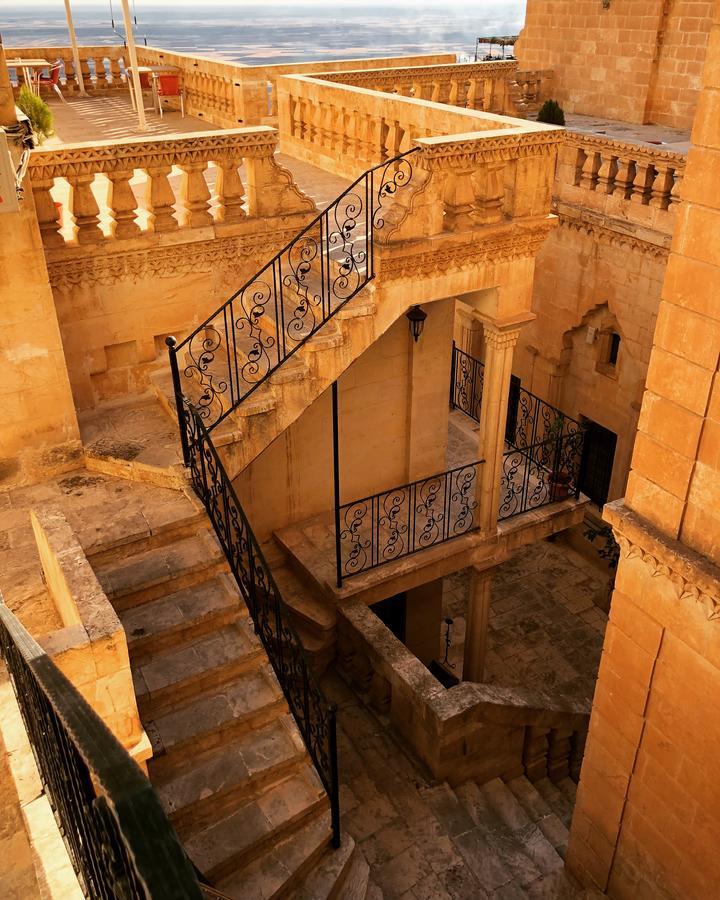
416	316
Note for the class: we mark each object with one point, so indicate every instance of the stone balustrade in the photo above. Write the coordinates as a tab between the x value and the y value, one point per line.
632	181
102	68
107	201
479	86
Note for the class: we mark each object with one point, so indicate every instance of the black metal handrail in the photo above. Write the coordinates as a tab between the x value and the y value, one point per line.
389	525
467	376
316	718
243	342
543	464
118	838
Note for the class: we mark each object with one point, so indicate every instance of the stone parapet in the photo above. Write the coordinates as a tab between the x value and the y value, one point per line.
106	73
91	648
270	188
478	731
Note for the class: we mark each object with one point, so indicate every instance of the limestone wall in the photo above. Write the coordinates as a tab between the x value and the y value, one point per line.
648	808
393	409
636	60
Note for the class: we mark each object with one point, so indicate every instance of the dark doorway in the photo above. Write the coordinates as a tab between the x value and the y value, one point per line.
512	412
392	613
597	461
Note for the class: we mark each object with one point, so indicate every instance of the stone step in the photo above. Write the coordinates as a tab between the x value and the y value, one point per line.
489	859
220	780
341	873
189	613
248	701
179	674
556	800
278	871
159	571
505	864
176	517
535	845
569	788
233	842
539	812
305	604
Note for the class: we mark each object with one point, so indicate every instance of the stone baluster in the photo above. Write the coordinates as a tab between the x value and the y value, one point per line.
230	191
488	94
160	199
435	95
559	753
489	192
624	177
47	213
344	145
122	204
454	90
589	172
642	183
662	187
85	209
535	752
606	174
472	94
85	69
391	144
675	197
114	70
577	751
417	90
194	196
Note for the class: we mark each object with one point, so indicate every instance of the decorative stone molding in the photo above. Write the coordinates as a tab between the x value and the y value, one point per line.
142	153
518	144
635	150
471	252
500	338
421	74
693	576
613	232
165	262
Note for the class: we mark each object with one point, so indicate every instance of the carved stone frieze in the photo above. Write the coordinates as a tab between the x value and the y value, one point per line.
473	252
614	233
692	575
165	262
421	74
517	144
141	153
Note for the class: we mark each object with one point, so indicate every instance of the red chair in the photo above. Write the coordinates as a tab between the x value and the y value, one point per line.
52	80
170	86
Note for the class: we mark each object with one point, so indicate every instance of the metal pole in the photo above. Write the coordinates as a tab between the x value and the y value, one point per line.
75	51
137	90
334	779
171	342
336	483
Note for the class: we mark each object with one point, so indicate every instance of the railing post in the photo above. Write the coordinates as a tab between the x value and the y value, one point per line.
452	377
336	483
171	343
334	780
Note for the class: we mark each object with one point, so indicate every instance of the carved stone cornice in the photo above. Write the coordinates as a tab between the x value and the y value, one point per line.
694	578
626	149
472	151
421	74
165	262
458	255
613	232
142	153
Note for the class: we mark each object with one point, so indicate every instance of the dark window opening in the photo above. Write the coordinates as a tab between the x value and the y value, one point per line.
391	612
597	461
613	348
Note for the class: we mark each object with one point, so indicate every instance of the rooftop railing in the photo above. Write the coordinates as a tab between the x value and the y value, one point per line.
118	838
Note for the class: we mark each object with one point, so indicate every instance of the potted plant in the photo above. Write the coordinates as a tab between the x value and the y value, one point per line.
37	111
551	113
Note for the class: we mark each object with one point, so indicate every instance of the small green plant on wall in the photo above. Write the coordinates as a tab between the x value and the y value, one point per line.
551	113
37	111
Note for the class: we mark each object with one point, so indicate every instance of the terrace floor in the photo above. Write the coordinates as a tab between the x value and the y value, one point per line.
654	135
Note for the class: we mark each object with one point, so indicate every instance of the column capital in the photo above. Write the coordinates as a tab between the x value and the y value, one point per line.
500	338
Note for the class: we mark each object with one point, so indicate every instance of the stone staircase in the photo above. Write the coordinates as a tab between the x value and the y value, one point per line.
229	764
513	836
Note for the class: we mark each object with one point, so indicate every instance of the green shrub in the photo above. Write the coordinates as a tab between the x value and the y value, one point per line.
37	110
551	113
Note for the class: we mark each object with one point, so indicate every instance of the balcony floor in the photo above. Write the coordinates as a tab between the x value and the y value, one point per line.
654	135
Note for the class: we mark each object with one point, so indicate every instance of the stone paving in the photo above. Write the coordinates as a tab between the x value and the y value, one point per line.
545	630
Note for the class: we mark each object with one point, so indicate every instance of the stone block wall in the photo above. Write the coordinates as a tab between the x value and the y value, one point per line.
648	808
636	60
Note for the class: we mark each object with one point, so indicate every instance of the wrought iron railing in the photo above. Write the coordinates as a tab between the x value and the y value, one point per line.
229	356
234	351
118	838
466	383
543	463
316	718
392	524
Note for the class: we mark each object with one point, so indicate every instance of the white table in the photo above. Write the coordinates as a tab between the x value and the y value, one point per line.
28	66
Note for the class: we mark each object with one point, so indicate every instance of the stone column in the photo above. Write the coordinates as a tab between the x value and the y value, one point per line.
478	615
499	345
7	102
